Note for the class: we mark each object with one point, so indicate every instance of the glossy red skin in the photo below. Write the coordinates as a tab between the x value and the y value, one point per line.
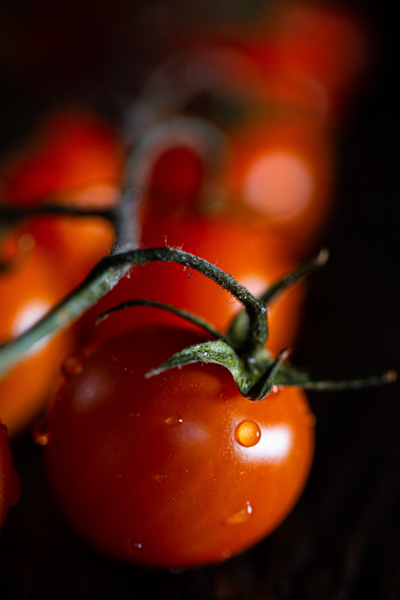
30	288
9	483
255	258
150	471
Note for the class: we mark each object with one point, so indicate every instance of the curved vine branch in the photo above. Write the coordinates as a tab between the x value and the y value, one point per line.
106	275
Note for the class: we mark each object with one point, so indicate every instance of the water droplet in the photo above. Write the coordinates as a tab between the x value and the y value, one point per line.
241	516
275	389
227	553
174	421
3	428
40	432
115	447
159	477
73	364
248	433
132	546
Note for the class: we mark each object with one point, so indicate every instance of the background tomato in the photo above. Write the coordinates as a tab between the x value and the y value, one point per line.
9	482
146	473
280	172
257	259
28	289
73	158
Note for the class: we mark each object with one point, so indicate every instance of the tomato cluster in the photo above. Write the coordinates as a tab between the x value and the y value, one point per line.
233	155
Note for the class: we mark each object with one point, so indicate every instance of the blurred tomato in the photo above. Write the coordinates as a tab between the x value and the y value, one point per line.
75	159
28	289
316	54
279	173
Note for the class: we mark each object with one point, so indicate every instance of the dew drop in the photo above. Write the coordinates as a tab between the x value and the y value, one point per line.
132	546
241	516
248	433
227	553
40	432
73	364
174	421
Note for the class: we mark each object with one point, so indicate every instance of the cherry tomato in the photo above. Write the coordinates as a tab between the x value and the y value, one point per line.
28	289
280	171
255	258
9	483
70	150
178	470
74	158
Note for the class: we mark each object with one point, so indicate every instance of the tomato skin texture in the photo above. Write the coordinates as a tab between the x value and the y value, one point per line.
150	470
10	488
254	257
27	291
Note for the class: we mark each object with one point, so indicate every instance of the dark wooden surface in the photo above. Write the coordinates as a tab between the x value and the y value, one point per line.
342	540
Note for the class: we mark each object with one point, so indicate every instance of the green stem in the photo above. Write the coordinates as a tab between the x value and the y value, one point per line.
181	312
106	275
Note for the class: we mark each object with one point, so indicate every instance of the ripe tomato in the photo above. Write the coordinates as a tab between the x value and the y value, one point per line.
74	158
178	470
27	291
9	482
255	258
70	150
280	173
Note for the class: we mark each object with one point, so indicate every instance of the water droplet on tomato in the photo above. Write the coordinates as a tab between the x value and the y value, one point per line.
159	477
248	433
73	364
174	421
227	553
132	546
40	432
241	516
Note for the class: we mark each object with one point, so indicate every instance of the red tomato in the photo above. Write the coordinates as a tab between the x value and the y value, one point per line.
280	173
178	470
306	55
71	150
9	482
255	258
27	291
77	159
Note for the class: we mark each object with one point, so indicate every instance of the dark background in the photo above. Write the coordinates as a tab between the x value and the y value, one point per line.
342	540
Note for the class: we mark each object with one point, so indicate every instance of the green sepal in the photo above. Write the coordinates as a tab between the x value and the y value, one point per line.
289	375
266	382
217	352
239	326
